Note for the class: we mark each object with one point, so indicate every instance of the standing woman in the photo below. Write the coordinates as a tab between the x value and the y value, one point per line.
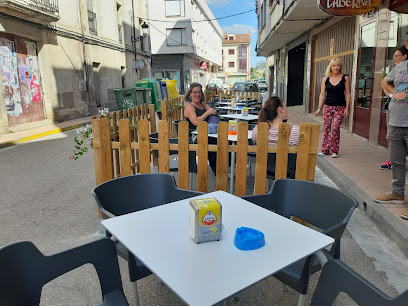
335	95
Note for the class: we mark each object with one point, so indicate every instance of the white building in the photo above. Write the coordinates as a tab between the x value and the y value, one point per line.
185	41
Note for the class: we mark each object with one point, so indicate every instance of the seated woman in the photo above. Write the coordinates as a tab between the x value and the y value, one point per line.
195	111
275	112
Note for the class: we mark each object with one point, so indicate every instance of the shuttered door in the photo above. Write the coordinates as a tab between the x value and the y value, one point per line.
337	41
21	79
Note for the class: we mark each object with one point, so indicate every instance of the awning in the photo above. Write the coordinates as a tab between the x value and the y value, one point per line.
300	17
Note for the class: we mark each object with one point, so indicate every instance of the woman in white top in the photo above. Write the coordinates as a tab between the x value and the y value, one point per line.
275	112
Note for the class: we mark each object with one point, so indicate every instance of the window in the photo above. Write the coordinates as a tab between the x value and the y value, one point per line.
174	8
231	51
231	38
242	64
176	37
264	13
91	18
119	22
231	64
242	51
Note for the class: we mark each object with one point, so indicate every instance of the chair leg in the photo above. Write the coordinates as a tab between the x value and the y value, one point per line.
135	294
302	299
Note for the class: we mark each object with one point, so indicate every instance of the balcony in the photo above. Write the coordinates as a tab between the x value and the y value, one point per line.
37	11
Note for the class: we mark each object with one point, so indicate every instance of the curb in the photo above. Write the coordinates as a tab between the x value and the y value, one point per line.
10	143
388	223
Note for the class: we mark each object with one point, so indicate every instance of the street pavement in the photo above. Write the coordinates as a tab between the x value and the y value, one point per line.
47	200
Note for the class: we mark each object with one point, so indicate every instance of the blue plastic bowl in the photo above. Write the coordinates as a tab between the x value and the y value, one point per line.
247	239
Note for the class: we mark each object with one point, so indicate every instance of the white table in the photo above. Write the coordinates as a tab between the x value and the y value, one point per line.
234	139
233	108
209	272
240	117
229	103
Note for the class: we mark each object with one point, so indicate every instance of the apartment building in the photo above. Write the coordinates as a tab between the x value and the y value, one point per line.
186	41
236	58
61	59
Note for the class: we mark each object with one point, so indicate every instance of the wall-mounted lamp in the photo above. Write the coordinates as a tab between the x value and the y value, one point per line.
144	30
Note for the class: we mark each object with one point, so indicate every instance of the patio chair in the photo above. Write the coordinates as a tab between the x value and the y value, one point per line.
133	193
25	270
337	277
324	207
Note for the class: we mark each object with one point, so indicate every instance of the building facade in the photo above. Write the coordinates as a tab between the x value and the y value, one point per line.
365	43
186	41
236	58
61	59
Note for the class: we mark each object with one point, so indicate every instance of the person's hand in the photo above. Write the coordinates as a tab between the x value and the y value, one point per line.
346	113
317	112
211	111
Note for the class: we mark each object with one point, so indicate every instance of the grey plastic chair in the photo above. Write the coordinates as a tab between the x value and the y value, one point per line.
337	277
324	207
133	193
25	270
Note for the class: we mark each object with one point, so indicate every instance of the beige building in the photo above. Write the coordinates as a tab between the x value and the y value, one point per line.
61	59
236	55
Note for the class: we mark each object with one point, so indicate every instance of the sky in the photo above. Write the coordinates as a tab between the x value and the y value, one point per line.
240	24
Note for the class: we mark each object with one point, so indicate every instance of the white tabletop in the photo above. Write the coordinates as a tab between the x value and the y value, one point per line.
209	272
240	117
230	137
233	108
229	103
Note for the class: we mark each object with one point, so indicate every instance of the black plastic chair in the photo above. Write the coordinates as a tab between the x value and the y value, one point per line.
25	270
324	207
337	277
133	193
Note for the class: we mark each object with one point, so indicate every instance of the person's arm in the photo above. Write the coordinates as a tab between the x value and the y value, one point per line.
190	113
348	96
321	97
387	87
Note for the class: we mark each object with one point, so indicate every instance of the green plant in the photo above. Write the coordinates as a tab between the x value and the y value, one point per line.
11	131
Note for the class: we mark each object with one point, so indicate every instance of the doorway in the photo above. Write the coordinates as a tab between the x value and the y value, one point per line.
296	73
365	76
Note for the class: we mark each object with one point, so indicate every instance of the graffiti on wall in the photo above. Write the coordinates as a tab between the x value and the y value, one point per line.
8	60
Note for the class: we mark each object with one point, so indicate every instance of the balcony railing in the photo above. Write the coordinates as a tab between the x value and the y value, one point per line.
38	11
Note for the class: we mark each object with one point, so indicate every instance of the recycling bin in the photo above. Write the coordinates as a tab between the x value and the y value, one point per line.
172	89
163	88
128	97
155	91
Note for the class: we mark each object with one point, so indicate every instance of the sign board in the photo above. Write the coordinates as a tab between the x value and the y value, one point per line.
347	7
139	64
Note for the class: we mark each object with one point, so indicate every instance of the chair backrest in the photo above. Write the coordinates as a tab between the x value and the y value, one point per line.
25	270
136	192
337	277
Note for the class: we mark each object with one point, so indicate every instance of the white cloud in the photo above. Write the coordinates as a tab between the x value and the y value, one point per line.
219	3
239	29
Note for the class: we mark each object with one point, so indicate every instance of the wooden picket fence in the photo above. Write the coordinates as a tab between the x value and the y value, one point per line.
135	150
172	110
227	94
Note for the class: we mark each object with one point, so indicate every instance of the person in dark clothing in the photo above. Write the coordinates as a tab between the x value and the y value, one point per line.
336	95
195	111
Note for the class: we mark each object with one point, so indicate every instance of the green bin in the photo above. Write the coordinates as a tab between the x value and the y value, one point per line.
128	97
154	86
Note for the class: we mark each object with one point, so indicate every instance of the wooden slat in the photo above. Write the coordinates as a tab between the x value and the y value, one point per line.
314	142
116	138
261	158
282	153
222	157
124	151
241	159
303	151
183	162
164	148
202	154
144	147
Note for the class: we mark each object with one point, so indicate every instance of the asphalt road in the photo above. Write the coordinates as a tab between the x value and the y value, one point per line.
46	198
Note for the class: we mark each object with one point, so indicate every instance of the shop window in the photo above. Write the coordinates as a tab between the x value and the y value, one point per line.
176	37
174	8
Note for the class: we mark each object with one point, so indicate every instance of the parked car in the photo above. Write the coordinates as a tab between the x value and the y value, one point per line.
262	85
211	87
254	80
247	86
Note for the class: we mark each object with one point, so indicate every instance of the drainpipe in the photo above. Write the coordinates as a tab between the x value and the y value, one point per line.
84	54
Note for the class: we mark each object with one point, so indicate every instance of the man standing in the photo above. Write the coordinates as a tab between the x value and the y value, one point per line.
396	83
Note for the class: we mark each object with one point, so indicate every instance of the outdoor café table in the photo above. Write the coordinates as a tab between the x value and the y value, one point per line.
240	117
229	103
233	139
209	272
232	108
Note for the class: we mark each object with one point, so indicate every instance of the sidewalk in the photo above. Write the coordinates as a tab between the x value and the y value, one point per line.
355	171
